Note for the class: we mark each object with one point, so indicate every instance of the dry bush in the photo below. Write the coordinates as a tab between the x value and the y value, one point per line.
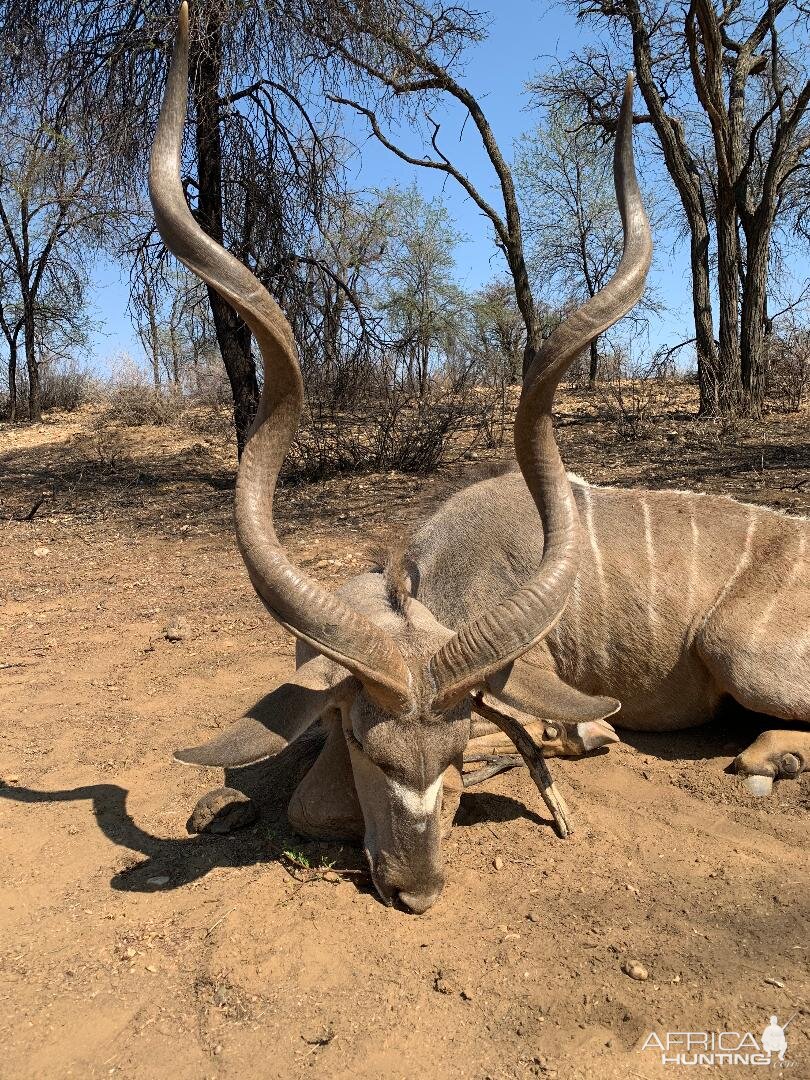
788	383
108	441
64	386
634	394
132	400
205	384
393	431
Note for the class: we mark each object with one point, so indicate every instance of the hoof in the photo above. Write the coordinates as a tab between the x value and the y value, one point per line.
775	755
222	811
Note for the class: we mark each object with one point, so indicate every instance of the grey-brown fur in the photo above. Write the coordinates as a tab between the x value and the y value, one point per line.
669	613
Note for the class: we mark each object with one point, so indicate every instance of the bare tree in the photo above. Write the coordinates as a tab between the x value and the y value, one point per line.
421	300
52	209
726	92
498	331
263	156
573	231
409	55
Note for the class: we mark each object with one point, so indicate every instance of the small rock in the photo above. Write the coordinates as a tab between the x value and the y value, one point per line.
177	630
330	875
159	881
41	552
217	1049
466	995
632	889
13	779
533	917
635	970
497	862
151	968
129	953
502	929
775	982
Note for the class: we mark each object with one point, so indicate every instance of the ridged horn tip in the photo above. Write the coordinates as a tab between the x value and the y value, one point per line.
182	16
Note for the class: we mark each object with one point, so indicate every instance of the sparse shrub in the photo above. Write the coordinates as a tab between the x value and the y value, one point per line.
133	400
64	386
632	397
390	431
788	379
206	384
108	441
214	421
135	406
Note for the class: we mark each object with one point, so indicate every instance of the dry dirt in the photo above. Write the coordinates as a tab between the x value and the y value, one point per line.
129	948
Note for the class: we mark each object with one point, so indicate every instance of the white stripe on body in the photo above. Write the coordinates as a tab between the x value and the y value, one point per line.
743	563
598	561
693	562
799	567
652	574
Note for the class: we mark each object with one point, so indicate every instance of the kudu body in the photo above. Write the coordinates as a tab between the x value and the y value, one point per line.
673	600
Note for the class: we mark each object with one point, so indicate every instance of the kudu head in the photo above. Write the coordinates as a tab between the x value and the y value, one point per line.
403	680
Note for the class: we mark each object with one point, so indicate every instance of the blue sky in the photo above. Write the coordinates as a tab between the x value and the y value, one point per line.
524	36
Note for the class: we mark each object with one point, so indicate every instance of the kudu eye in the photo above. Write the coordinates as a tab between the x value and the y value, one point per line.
551	732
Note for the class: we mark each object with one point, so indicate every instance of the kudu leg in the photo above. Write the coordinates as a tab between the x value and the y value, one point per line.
532	755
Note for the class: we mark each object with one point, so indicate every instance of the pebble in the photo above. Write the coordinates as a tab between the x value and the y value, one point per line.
41	552
177	631
13	779
775	982
162	879
635	970
151	967
497	862
330	875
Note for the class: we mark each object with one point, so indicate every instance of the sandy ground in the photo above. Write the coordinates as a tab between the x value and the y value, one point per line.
129	948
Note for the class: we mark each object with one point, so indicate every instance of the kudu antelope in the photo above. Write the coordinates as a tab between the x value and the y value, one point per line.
534	602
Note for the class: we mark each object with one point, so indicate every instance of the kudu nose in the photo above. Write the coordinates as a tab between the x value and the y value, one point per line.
419	903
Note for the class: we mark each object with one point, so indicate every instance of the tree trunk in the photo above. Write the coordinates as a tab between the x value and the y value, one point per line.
728	257
705	345
593	371
12	381
233	336
681	168
153	336
175	355
752	336
34	398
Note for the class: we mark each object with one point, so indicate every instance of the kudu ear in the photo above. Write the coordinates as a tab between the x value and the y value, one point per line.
541	693
275	721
